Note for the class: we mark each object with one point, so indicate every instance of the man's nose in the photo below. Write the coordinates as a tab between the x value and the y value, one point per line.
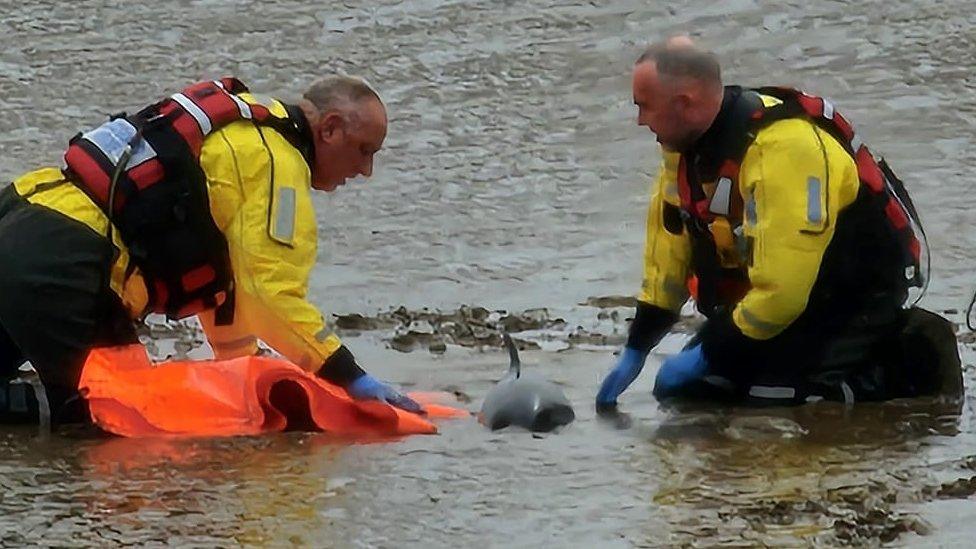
367	168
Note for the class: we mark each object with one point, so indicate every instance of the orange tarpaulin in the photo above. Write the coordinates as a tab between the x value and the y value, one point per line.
130	396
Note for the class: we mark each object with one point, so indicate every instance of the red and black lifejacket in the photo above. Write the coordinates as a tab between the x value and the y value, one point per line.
882	193
144	172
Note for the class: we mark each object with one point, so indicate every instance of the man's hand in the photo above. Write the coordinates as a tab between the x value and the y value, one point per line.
367	387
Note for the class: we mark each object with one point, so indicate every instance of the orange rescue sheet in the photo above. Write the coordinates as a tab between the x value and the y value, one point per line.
130	396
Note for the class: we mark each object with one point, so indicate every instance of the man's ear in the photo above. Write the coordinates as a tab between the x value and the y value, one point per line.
332	124
682	101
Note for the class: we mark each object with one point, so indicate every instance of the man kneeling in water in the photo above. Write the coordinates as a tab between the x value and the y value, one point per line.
802	246
198	204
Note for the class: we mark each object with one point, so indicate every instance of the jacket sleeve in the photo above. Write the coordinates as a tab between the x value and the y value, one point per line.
794	180
667	257
272	239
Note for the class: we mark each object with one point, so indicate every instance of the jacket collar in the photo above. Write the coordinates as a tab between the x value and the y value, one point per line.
301	133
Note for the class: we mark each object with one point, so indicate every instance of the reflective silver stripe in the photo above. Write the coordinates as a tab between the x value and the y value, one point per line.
112	137
766	391
284	227
814	213
828	110
722	197
241	105
741	242
750	208
720	382
848	392
196	112
324	334
761	324
856	142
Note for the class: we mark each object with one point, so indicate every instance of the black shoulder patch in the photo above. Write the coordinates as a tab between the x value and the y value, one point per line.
672	219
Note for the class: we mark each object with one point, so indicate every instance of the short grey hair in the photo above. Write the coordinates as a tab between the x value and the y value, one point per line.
683	61
339	92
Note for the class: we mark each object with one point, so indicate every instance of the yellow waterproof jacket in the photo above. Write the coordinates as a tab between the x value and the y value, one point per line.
260	197
794	181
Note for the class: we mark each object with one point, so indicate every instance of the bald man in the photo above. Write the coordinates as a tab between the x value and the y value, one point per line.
798	246
198	204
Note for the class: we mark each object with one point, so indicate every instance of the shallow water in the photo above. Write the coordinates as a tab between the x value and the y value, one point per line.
514	177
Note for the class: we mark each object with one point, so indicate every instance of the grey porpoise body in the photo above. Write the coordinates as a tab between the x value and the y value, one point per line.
525	400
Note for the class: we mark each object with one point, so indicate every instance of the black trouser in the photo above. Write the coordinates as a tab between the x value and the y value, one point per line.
915	354
907	353
55	301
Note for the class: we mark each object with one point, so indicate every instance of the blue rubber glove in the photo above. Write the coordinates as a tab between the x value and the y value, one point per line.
629	365
679	370
367	387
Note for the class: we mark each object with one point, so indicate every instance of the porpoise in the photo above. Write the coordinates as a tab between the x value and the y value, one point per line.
525	400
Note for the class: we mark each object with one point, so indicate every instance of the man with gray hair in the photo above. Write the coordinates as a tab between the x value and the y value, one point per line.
796	244
198	204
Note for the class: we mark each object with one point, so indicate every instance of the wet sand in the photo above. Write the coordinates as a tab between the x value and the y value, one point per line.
514	179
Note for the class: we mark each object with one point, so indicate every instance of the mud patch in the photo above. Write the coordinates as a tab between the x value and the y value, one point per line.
170	339
961	488
856	510
834	524
476	327
808	475
879	524
433	330
611	301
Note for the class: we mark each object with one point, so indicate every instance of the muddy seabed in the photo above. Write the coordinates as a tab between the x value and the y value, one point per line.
512	190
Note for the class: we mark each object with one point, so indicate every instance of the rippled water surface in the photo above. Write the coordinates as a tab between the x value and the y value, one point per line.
513	177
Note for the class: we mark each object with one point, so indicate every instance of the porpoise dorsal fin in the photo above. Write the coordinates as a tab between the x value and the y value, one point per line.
515	368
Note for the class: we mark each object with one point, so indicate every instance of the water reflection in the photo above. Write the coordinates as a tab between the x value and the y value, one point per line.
97	490
823	472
